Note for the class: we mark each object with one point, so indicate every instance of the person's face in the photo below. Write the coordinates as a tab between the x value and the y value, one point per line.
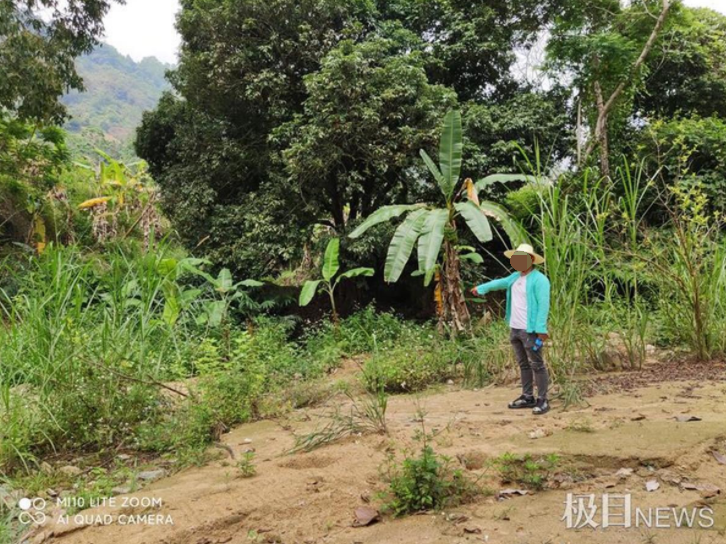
521	261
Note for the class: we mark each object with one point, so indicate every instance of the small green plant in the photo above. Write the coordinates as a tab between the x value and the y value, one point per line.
215	312
526	470
246	465
331	265
427	482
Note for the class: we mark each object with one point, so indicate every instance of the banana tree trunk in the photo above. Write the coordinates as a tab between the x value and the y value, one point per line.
454	312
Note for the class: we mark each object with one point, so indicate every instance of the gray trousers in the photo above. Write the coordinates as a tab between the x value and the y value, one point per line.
531	364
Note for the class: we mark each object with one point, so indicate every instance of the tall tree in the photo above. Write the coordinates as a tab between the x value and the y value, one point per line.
369	109
685	72
302	103
605	46
39	42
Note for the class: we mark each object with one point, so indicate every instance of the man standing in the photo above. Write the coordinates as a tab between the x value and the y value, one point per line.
528	305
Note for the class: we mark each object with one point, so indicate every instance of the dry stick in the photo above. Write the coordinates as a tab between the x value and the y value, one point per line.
148	381
604	108
141	215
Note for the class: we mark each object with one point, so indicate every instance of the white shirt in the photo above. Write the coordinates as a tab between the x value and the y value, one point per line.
518	317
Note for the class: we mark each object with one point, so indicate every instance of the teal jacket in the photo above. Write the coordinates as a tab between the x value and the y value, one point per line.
538	298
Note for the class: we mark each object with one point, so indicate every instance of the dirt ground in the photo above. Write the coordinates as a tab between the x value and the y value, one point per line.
311	497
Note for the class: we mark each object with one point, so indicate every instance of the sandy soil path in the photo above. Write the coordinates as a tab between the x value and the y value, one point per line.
310	497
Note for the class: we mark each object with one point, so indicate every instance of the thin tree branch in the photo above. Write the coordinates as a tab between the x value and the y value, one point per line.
604	110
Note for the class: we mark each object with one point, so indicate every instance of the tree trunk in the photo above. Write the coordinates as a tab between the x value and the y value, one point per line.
601	132
604	107
455	313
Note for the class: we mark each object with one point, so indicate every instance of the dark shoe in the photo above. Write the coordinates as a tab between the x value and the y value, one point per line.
541	407
522	402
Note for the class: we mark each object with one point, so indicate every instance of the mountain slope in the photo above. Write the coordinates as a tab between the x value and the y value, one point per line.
118	91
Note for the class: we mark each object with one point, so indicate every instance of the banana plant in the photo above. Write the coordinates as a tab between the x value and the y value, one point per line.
434	230
124	190
227	292
329	281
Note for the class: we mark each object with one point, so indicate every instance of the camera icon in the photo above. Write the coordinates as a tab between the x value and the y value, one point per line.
32	511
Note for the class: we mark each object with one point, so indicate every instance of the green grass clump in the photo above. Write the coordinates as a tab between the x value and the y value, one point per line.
526	470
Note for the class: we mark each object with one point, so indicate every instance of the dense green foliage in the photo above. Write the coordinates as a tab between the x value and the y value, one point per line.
292	126
32	161
329	134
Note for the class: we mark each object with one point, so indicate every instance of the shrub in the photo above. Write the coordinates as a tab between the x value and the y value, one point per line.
363	332
524	203
427	482
419	358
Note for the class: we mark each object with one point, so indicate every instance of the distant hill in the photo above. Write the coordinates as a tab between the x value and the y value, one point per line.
118	91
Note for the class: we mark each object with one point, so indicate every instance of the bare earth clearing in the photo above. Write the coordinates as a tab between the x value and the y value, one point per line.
311	497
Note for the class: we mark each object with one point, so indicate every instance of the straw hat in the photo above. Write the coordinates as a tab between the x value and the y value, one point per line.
525	248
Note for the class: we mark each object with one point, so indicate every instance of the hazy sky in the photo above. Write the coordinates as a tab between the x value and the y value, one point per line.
145	28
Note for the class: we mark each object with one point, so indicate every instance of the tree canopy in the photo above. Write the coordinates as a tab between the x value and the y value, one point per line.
39	42
318	107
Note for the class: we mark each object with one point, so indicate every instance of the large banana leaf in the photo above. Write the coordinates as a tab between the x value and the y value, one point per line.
476	219
402	244
514	230
431	165
330	262
432	235
383	214
216	311
223	283
503	178
450	150
308	292
355	272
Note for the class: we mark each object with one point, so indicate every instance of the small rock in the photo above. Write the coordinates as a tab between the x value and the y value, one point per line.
46	468
644	472
624	472
150	475
70	470
686	418
504	493
538	433
123	457
247	441
650	348
651	485
51	492
121	490
450	382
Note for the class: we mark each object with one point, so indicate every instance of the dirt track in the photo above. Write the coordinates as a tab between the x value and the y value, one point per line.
311	497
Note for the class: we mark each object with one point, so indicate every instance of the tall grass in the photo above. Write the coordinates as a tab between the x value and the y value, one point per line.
82	349
689	265
611	271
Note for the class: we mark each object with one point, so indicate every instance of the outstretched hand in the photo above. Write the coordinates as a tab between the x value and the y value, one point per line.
474	292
